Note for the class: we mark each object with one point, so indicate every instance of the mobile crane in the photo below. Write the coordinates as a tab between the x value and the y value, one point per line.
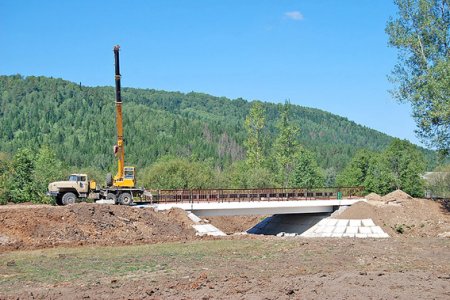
120	189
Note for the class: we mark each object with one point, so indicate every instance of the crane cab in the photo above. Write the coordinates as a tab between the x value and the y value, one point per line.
128	180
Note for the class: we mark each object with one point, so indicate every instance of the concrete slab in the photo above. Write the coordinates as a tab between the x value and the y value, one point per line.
330	222
368	222
364	230
351	230
194	218
289	225
208	229
290	234
352	235
339	229
327	229
361	235
342	223
307	234
355	223
376	229
105	201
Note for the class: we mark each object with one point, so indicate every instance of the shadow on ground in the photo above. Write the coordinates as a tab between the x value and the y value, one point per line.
289	223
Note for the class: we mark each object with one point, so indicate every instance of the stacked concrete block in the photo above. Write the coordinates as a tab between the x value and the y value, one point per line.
208	229
365	228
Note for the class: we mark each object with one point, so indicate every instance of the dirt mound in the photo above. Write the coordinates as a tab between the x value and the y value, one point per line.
397	195
415	217
373	197
234	224
39	226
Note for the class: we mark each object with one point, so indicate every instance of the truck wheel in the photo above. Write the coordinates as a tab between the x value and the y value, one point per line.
68	198
111	196
109	179
125	199
58	200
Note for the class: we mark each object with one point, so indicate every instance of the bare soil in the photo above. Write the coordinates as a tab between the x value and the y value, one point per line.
256	268
163	259
404	216
397	195
373	197
42	226
235	224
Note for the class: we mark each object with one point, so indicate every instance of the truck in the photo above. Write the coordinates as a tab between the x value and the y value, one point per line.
120	189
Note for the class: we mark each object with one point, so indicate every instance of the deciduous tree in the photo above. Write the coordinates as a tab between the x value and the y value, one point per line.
285	146
307	173
421	32
254	124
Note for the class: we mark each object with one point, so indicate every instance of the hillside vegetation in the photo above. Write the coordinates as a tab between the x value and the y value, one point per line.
51	127
77	122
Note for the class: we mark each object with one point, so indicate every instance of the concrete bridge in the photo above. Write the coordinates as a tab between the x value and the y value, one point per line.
229	202
266	207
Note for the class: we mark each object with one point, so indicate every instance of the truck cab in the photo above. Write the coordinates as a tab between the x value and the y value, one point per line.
67	192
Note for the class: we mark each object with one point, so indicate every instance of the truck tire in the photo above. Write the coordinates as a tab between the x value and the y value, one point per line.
111	196
68	198
58	200
125	199
109	179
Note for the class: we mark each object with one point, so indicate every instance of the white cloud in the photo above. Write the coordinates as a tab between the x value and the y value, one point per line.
294	15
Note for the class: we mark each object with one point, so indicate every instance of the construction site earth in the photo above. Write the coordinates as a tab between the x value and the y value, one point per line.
92	251
221	243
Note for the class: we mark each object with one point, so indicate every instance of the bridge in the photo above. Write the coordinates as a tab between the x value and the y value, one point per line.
227	202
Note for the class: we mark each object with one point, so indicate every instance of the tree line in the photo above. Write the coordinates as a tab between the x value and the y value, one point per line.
282	162
77	122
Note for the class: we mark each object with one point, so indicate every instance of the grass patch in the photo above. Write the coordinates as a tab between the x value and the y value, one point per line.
90	264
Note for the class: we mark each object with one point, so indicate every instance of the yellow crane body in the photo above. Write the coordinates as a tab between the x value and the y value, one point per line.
125	176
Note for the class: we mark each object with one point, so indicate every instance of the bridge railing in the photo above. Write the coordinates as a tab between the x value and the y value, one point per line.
239	195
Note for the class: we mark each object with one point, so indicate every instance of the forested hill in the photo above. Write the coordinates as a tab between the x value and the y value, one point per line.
78	122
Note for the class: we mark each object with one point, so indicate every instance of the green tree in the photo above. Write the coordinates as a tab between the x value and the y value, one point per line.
407	165
379	178
307	174
438	182
330	177
400	166
254	124
178	173
356	171
47	168
240	176
4	172
421	32
21	186
285	146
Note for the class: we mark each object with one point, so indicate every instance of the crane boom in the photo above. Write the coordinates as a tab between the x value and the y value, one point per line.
125	177
119	149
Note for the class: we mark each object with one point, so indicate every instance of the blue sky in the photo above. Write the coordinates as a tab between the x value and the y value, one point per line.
327	54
